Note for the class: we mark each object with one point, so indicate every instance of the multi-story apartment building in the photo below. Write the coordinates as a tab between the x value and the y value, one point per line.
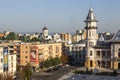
33	53
56	37
7	60
1	60
79	35
42	52
76	52
22	52
66	37
12	63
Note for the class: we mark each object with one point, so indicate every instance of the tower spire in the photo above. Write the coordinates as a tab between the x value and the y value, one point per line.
90	17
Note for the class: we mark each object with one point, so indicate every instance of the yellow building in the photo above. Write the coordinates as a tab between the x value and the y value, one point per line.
42	52
79	35
66	37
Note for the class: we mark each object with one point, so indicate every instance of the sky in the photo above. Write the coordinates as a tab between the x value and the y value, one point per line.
57	15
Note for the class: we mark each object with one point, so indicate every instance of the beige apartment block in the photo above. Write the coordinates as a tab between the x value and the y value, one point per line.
42	52
22	52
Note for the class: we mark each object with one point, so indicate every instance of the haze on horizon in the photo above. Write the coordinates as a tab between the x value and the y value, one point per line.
57	15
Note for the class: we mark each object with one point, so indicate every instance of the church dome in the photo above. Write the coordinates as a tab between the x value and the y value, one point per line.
45	28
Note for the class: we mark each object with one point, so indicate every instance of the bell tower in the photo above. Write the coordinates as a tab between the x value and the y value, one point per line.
91	38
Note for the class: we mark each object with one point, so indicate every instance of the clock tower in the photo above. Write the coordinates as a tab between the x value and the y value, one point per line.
91	38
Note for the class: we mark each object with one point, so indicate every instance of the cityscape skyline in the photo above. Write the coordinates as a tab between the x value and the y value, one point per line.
58	16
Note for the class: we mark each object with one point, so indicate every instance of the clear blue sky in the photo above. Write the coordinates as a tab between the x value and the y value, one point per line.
58	15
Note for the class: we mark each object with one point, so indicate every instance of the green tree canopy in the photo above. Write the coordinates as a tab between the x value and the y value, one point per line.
34	39
24	38
52	62
27	73
12	36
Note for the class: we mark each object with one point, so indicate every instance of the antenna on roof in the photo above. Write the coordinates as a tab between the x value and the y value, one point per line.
45	25
91	3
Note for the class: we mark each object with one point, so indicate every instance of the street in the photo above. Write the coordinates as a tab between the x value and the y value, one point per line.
53	74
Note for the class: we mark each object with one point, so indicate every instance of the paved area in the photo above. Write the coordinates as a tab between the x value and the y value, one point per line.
72	76
54	74
88	77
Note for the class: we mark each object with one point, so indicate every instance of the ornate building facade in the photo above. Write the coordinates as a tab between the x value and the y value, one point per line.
100	53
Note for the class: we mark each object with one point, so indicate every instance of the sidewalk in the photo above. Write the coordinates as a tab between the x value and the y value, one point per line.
67	76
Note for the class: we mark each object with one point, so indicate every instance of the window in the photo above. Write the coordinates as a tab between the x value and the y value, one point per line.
83	56
103	53
103	63
118	52
11	58
18	56
91	63
80	56
108	64
91	44
1	60
108	54
76	47
79	48
72	48
26	57
68	48
91	53
98	53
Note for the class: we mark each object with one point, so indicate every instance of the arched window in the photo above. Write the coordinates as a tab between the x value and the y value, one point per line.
118	52
91	53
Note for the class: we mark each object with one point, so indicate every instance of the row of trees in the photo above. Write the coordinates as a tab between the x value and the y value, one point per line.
51	62
13	36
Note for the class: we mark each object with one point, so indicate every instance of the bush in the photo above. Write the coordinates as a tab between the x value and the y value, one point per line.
51	62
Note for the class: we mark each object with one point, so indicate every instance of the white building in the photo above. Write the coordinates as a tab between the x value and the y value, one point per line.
100	53
76	52
6	33
7	60
56	37
12	63
36	35
1	59
44	35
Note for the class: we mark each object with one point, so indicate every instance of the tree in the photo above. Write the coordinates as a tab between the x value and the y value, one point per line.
12	36
56	61
64	58
47	63
34	39
51	62
24	38
26	72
